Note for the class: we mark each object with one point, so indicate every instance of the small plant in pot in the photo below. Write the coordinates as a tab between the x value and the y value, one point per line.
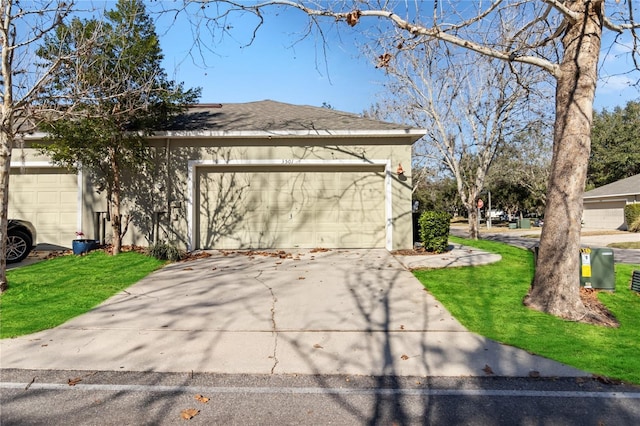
82	245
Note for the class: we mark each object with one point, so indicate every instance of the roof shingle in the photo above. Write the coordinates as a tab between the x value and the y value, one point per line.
623	187
271	116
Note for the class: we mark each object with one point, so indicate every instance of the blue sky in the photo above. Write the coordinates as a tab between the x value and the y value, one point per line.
275	67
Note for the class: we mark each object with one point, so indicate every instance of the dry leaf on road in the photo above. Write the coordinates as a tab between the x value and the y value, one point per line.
73	382
202	398
488	371
189	413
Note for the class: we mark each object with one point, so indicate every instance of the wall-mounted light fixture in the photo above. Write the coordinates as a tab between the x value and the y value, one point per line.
400	170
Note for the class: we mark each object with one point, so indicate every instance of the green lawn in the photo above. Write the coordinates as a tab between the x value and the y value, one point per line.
627	245
488	300
48	293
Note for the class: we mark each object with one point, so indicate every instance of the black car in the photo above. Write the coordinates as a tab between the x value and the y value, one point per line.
21	238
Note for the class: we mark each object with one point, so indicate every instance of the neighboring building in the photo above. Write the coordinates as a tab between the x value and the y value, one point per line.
255	175
604	206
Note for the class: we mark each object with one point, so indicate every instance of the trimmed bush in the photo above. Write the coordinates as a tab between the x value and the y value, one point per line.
632	216
434	230
166	251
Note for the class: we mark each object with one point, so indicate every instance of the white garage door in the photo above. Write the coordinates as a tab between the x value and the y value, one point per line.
604	215
47	197
290	206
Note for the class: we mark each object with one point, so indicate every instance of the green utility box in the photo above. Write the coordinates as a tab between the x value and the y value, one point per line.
524	223
597	268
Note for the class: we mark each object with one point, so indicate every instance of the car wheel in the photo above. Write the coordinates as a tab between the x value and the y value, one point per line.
18	246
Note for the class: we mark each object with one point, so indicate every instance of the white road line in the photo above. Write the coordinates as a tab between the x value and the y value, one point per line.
324	391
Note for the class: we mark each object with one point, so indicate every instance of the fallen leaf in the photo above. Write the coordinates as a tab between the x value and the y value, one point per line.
402	327
202	399
189	413
30	383
317	346
188	269
534	374
73	382
301	278
318	250
603	379
488	371
405	357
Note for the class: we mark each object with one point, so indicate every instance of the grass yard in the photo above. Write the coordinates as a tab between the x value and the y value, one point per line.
627	245
488	300
48	293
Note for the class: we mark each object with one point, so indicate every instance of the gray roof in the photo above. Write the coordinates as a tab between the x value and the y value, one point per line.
277	118
623	187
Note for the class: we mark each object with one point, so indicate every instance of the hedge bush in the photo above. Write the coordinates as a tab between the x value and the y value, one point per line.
632	216
434	230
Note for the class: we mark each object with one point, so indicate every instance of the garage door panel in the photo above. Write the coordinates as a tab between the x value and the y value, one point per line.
285	209
47	197
604	215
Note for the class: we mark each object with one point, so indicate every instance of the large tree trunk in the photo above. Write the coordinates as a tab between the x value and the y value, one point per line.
556	284
472	211
116	197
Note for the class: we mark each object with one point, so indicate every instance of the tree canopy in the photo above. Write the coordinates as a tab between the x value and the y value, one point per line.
130	98
615	145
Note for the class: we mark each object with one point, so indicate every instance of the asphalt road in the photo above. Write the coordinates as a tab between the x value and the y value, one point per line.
136	398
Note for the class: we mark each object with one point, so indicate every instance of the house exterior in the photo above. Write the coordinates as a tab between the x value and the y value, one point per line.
604	206
256	175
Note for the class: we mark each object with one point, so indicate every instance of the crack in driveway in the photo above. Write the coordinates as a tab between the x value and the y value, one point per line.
274	330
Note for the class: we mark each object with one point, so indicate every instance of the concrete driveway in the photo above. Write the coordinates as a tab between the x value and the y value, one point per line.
331	312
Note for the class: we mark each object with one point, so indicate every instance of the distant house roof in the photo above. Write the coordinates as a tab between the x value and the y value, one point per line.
269	118
623	187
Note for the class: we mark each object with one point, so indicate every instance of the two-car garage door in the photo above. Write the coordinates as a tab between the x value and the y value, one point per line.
290	206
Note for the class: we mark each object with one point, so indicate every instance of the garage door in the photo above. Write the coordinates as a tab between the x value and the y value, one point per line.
47	197
604	215
289	207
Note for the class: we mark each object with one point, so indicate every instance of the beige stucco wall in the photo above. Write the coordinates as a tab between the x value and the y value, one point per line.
166	186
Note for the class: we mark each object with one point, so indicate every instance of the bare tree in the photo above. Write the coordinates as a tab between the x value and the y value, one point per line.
523	168
469	106
23	25
560	37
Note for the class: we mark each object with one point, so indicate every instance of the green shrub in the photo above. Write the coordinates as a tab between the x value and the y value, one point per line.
166	251
434	230
632	216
